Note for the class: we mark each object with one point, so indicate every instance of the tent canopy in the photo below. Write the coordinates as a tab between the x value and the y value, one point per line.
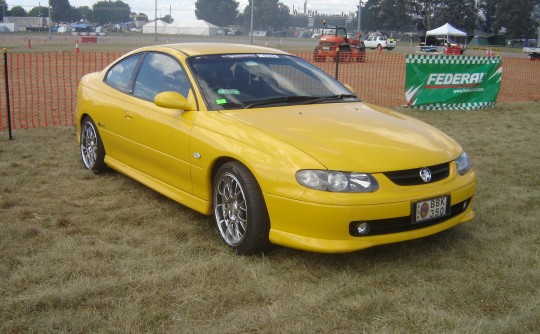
195	27
445	30
150	27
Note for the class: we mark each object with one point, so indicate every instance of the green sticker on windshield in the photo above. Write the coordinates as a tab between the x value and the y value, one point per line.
221	101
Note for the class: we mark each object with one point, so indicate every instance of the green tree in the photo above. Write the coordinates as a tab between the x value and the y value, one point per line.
17	11
488	11
59	12
433	13
39	11
218	12
167	18
111	12
394	14
425	11
4	9
83	13
267	15
371	16
460	13
517	17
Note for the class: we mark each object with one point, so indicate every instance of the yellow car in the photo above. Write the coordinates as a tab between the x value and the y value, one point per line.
275	149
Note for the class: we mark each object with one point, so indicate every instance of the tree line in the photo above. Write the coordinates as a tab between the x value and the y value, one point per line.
102	12
518	17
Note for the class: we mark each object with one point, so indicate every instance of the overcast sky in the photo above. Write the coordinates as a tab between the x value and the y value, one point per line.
185	9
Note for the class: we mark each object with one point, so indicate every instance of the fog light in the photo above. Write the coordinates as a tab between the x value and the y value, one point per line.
362	228
465	204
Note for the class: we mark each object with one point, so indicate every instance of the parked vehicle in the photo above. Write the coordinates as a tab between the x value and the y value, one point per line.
273	147
433	44
383	42
334	40
534	52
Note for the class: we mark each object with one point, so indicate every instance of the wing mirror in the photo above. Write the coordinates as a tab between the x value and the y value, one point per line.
174	100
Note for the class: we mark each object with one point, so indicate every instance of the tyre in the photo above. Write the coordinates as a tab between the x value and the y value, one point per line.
317	58
239	210
345	54
361	57
92	150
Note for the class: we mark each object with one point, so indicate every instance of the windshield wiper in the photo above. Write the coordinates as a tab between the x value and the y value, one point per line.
281	100
332	98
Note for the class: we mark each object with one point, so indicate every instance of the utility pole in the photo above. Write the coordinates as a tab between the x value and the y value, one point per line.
251	27
49	19
359	15
155	21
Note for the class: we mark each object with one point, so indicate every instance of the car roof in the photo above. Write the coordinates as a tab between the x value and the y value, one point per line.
198	49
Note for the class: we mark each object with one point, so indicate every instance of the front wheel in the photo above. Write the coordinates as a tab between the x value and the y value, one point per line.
239	210
92	150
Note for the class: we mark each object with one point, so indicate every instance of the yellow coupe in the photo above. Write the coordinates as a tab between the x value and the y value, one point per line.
275	149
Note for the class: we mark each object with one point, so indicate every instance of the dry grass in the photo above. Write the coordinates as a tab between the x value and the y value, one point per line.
81	252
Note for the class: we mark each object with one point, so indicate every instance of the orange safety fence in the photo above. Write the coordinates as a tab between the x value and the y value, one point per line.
43	86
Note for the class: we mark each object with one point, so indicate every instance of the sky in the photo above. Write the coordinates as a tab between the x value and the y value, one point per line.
184	10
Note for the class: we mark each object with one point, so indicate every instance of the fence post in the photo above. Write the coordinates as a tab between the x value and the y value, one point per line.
337	62
6	82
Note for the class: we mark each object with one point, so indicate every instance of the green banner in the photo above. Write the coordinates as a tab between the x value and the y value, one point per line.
448	82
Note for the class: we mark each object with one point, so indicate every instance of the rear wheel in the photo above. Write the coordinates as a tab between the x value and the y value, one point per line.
92	150
239	210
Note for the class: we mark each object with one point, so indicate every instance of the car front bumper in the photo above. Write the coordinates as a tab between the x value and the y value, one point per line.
330	228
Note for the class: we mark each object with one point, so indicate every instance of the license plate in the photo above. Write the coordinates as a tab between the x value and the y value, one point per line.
431	208
326	48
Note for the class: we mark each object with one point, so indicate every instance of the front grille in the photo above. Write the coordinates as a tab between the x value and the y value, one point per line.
402	224
411	177
328	44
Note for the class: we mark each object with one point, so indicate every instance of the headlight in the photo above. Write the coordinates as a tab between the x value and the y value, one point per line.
337	181
463	163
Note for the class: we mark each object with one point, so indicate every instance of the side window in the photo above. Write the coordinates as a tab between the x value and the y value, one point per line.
120	75
159	73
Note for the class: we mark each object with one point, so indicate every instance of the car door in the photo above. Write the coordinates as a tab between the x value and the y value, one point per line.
113	94
157	139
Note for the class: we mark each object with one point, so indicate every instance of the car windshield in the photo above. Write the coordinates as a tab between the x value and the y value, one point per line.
242	81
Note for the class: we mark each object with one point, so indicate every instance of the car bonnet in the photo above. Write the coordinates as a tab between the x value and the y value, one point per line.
354	136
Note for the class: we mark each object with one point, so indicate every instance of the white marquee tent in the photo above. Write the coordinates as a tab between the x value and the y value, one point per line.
195	27
445	30
150	27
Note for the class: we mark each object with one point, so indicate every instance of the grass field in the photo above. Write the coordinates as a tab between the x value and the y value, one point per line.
82	252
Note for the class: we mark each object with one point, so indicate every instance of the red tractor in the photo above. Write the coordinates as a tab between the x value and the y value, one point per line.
334	40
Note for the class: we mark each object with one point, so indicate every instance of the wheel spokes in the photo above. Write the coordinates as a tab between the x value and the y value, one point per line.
89	146
231	210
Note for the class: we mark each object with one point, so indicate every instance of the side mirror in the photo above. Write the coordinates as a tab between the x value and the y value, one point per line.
173	100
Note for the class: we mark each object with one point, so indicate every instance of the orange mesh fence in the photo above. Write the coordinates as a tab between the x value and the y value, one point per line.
520	80
43	86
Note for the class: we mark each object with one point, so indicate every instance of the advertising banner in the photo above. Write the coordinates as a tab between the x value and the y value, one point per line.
448	82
